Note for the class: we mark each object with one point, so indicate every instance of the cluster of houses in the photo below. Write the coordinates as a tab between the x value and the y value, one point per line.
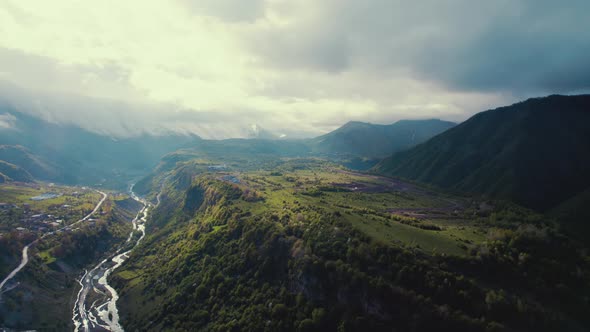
217	167
33	221
43	222
7	206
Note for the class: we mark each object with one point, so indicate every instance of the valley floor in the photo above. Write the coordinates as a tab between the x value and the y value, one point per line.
63	232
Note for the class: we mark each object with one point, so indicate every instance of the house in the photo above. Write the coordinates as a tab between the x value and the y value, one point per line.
37	217
217	167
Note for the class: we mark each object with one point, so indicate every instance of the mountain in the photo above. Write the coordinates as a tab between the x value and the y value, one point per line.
72	155
35	165
375	141
534	153
304	245
574	214
9	171
356	145
257	132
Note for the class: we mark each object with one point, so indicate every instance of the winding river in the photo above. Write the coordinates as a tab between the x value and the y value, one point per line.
95	308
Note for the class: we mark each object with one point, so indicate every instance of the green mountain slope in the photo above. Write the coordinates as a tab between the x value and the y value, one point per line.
534	153
574	214
373	141
311	247
37	166
14	172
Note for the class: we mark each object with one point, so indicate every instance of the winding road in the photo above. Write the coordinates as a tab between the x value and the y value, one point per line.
25	254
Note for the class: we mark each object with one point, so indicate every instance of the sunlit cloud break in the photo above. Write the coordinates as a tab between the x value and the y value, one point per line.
297	68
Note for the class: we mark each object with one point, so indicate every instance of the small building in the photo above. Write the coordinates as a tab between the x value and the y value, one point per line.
217	167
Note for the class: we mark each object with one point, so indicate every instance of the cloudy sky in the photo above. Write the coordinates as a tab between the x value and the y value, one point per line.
299	67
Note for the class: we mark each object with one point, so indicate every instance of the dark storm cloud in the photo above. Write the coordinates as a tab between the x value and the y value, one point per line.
516	46
531	46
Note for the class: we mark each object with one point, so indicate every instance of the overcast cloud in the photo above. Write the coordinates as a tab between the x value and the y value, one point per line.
303	67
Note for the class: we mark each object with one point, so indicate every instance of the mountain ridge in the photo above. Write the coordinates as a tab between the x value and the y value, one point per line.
507	152
365	139
69	154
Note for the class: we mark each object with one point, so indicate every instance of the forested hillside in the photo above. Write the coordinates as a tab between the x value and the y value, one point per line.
307	246
534	153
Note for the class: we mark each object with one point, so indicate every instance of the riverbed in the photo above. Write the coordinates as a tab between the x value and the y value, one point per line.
95	308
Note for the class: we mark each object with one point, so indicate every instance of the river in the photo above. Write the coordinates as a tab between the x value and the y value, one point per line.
95	308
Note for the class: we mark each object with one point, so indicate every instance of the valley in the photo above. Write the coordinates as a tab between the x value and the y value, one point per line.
294	166
95	293
57	241
286	235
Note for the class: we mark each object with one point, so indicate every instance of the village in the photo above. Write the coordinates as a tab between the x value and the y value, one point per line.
44	213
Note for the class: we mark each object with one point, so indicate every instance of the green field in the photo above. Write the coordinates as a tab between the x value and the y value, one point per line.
369	208
22	194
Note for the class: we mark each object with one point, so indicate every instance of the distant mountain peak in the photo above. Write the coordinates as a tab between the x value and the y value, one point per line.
432	120
355	123
255	131
255	128
377	140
